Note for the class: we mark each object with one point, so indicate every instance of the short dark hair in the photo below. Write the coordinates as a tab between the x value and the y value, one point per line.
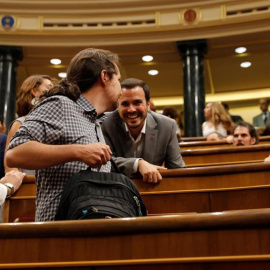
225	105
133	82
170	112
252	131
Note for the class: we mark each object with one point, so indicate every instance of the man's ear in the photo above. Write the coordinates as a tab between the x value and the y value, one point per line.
253	141
104	76
33	92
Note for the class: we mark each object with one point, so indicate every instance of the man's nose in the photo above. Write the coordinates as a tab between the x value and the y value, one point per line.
131	108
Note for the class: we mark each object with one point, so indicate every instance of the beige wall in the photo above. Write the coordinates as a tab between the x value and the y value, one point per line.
247	113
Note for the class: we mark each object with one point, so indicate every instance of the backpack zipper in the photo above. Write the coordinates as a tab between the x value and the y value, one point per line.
136	199
138	205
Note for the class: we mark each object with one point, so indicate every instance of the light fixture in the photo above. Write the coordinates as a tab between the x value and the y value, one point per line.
55	61
147	58
153	72
62	74
245	64
240	49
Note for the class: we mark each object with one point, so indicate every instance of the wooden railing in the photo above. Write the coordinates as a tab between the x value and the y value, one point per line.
224	240
205	189
202	144
225	155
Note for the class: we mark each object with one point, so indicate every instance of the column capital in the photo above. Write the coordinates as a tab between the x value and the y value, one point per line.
11	53
192	47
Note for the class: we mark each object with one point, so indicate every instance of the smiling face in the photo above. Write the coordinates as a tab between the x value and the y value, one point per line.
133	108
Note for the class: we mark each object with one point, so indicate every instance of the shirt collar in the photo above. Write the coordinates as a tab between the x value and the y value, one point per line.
89	108
143	129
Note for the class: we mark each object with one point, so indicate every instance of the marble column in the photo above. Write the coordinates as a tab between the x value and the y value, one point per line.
9	57
192	53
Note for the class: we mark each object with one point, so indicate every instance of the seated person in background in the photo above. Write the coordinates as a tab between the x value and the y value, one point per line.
9	184
152	106
266	131
262	119
244	134
30	89
235	118
3	139
214	137
3	127
141	140
218	120
172	113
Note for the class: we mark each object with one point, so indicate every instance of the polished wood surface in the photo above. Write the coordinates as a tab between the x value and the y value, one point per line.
205	189
196	139
234	238
226	154
192	139
202	144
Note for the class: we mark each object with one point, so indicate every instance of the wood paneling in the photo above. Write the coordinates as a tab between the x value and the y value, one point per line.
196	240
226	154
206	189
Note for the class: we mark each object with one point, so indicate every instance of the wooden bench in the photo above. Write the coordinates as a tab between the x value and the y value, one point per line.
186	145
205	189
225	155
227	240
196	139
203	145
192	139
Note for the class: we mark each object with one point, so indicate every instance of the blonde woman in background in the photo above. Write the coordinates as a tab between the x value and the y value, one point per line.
218	122
30	89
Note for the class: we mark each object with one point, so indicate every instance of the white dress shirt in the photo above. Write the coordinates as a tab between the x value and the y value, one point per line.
138	145
3	193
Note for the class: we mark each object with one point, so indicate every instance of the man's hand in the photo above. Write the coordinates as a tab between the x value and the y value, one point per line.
229	139
149	171
13	177
95	154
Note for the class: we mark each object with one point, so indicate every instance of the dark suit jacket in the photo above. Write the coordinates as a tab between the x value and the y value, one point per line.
236	118
3	139
160	144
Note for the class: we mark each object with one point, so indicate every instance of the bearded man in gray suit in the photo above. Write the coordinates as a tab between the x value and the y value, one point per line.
141	140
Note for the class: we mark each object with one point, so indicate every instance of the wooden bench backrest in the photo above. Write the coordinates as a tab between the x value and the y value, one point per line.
190	145
237	240
226	155
203	189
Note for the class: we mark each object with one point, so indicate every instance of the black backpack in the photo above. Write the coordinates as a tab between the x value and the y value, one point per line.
92	195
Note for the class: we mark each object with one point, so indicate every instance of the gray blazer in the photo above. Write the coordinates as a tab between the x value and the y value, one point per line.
160	145
258	121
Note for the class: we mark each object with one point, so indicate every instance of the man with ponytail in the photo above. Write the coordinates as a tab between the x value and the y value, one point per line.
62	134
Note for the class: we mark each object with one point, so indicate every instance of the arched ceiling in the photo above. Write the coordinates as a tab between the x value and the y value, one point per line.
160	27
